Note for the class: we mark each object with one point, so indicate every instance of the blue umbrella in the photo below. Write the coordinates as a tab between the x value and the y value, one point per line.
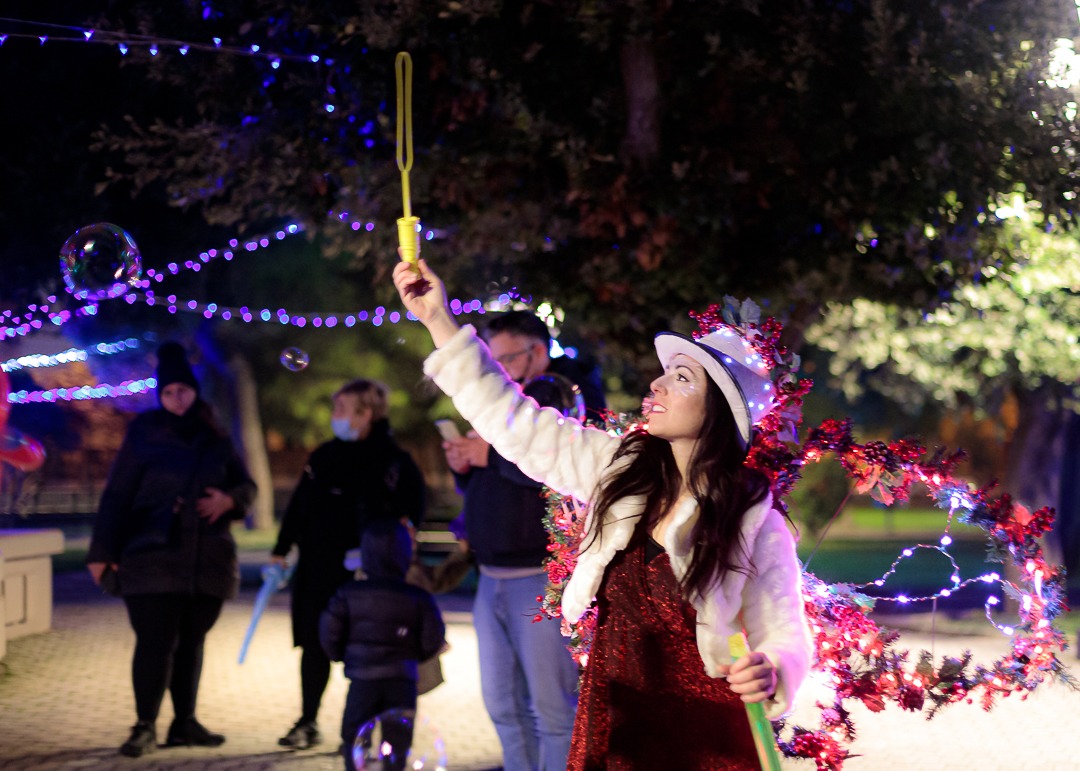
275	578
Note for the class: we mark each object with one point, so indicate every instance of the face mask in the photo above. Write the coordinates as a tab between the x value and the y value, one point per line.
344	430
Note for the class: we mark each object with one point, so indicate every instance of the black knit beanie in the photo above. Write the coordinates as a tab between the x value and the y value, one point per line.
173	367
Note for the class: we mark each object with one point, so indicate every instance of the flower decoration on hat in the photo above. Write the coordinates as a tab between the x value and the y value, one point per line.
770	370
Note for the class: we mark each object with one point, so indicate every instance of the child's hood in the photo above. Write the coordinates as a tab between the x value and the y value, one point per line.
385	550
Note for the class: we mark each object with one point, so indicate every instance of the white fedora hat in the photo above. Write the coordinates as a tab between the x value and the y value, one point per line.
734	365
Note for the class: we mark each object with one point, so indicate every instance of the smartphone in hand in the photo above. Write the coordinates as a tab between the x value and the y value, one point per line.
448	430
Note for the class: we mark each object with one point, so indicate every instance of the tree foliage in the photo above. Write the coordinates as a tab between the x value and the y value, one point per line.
1014	328
630	160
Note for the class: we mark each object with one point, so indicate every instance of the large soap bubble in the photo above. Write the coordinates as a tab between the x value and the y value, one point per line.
294	359
396	740
100	261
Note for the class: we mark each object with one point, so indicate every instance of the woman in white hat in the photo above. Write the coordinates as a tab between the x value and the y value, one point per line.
683	547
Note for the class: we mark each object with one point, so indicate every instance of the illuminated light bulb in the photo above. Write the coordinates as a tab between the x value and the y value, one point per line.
945	540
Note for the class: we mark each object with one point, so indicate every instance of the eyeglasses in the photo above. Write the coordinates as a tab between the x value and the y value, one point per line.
506	358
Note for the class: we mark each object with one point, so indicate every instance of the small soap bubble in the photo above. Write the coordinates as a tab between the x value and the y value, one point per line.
100	261
396	740
294	359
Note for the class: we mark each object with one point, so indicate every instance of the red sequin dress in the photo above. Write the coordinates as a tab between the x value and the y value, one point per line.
646	702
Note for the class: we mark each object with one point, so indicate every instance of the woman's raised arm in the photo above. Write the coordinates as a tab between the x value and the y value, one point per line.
424	295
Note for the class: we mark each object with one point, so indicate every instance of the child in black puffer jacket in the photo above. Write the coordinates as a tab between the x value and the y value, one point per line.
381	627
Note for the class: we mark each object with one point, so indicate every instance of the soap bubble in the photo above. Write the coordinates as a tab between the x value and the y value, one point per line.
294	359
397	740
100	261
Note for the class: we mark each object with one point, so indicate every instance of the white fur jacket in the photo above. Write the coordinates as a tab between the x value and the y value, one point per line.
573	460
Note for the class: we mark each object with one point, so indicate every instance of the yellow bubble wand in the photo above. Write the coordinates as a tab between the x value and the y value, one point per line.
408	226
760	727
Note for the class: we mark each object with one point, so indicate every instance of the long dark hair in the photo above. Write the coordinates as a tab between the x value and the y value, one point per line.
723	487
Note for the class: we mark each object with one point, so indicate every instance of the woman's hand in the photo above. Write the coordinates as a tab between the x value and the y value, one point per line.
213	504
753	677
423	294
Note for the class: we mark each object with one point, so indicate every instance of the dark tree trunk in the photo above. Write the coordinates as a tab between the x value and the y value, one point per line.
249	432
1035	455
641	144
1035	450
1068	523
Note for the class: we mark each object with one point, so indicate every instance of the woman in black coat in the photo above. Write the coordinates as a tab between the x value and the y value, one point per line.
359	477
161	541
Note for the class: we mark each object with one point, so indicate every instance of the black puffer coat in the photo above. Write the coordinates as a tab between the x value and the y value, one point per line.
344	486
147	522
382	627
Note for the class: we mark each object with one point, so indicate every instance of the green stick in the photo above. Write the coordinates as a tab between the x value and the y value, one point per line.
760	727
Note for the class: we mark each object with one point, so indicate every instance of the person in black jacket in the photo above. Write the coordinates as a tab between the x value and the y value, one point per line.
359	477
527	676
161	541
381	627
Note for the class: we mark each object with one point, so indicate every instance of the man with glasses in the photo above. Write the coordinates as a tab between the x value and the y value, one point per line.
528	679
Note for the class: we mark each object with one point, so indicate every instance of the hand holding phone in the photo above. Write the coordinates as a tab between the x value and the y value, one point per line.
448	430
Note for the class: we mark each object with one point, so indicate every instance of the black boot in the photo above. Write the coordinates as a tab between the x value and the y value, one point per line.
301	736
143	740
189	732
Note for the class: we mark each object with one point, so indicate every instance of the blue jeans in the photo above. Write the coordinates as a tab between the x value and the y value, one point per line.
528	678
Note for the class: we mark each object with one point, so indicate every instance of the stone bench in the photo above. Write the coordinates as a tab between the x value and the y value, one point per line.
26	582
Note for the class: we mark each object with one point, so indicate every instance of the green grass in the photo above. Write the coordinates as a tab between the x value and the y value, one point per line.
74	554
901	522
255	540
863	560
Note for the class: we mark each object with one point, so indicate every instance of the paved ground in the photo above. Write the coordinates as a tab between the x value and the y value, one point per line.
65	702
